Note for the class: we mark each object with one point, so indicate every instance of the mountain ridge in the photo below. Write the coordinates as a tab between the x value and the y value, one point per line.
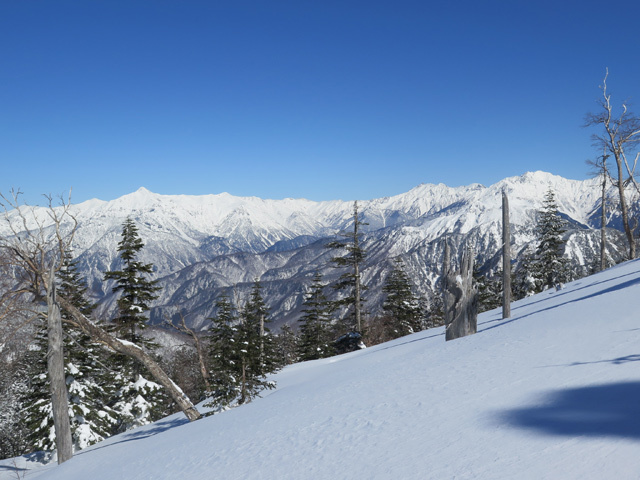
242	239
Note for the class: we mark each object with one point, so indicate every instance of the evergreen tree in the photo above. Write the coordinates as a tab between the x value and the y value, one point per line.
316	331
489	289
552	267
140	401
14	389
545	266
435	310
88	385
13	430
402	307
225	361
351	281
135	289
87	375
256	347
524	279
287	346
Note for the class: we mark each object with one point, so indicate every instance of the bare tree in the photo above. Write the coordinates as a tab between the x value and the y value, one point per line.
600	169
183	328
34	251
35	259
620	137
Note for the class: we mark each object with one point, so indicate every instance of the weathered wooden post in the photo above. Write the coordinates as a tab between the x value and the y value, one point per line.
460	297
506	258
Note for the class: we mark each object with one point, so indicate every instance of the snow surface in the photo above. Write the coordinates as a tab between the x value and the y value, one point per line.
551	393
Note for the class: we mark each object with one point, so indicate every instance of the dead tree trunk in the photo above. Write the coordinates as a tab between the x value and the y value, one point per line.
55	369
132	350
460	297
603	225
447	273
506	258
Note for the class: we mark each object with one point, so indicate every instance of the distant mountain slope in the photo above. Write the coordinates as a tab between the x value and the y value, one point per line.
551	393
203	244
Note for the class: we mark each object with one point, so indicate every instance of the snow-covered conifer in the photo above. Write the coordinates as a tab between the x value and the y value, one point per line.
401	305
140	401
316	331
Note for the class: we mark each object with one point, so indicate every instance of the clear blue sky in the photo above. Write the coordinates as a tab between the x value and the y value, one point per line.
315	99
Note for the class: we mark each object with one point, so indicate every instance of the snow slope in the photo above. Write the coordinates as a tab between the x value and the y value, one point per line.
551	393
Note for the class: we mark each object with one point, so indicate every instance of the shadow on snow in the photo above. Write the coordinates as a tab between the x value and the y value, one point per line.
608	410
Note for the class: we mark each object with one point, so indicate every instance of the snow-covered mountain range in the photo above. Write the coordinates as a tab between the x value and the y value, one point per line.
203	244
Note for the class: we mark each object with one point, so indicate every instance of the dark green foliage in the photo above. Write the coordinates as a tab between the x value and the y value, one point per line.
87	377
14	387
73	287
523	279
89	391
140	401
287	346
15	366
351	280
257	347
435	311
136	291
401	306
316	331
242	355
224	359
489	289
545	267
552	266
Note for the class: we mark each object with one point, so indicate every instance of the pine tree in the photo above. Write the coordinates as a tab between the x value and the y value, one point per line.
135	289
434	310
543	265
256	347
287	346
224	360
552	268
88	387
351	281
489	289
316	331
524	279
140	401
14	389
401	305
87	375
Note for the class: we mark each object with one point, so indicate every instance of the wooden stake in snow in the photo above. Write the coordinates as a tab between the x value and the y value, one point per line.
506	258
460	296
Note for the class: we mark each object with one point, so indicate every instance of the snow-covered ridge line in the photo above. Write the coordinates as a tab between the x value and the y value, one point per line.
200	244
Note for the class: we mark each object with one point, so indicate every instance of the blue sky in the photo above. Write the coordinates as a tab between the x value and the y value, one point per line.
321	100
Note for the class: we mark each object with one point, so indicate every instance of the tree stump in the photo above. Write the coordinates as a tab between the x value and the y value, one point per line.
460	296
